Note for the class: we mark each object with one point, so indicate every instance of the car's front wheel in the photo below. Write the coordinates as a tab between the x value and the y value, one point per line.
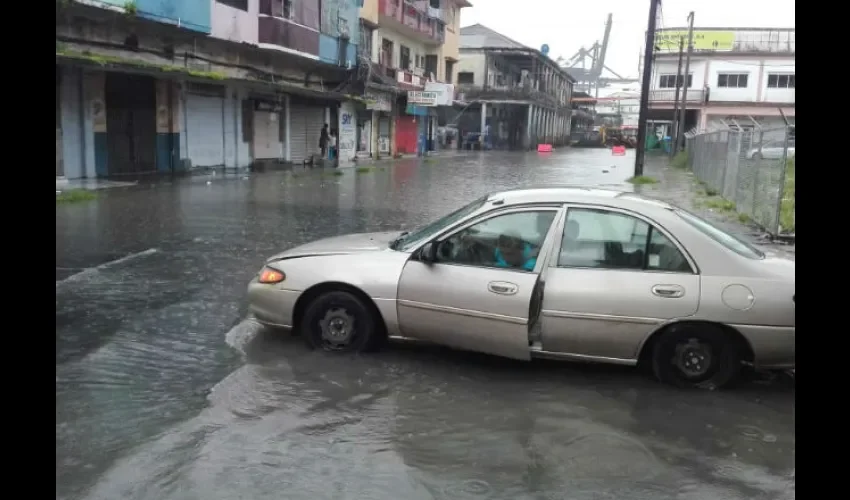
697	356
339	321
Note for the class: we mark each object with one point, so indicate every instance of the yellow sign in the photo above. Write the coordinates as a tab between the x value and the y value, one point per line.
703	40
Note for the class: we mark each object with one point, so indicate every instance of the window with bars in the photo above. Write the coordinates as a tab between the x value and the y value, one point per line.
777	81
733	80
669	81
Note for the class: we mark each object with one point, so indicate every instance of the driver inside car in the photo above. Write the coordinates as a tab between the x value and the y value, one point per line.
513	252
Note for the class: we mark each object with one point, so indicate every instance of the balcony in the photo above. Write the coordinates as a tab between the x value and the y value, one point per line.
668	96
412	19
286	35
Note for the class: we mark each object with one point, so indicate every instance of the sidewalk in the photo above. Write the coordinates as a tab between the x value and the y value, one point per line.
680	187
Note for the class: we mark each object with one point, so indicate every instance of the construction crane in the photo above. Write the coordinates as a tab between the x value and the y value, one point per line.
590	80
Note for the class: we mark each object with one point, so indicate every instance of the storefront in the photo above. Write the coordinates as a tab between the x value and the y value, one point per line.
204	124
376	127
269	128
306	119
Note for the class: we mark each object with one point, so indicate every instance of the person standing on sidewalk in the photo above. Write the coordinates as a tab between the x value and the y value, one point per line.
332	145
323	141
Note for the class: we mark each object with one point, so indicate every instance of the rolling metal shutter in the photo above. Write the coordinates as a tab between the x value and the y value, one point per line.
267	143
298	134
306	124
205	128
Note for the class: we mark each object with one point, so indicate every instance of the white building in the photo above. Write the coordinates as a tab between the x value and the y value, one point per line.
737	77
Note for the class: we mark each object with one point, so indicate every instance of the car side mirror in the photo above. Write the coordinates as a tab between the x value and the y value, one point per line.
428	253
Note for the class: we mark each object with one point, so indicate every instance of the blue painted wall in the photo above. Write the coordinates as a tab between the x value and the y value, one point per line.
192	15
329	47
339	16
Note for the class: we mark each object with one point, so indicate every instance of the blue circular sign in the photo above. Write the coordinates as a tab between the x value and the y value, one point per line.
544	49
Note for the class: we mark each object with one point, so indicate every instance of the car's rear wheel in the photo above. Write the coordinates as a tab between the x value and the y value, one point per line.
697	356
341	322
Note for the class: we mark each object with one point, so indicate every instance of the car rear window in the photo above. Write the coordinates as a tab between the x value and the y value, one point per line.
729	241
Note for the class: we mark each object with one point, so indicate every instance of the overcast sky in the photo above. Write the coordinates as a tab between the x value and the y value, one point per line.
567	25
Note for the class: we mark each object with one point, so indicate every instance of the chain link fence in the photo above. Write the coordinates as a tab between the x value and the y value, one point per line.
753	168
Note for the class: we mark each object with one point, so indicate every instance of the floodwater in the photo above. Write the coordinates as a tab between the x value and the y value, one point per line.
164	390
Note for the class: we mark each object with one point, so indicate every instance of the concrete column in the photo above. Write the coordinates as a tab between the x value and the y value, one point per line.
328	119
373	131
287	131
483	123
527	140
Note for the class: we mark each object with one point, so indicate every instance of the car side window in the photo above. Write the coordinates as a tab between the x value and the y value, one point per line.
610	240
508	241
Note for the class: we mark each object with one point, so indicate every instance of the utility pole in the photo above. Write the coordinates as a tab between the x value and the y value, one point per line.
676	98
680	135
640	150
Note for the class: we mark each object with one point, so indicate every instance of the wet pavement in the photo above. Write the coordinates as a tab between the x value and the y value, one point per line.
165	391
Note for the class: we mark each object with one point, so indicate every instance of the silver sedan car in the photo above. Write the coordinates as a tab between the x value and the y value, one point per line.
567	273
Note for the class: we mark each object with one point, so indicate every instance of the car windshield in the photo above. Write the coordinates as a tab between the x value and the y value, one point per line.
729	241
407	240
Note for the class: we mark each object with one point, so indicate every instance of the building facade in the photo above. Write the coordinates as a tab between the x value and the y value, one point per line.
406	45
516	97
164	86
743	77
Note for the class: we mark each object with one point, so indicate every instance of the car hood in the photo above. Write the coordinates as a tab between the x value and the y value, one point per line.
347	244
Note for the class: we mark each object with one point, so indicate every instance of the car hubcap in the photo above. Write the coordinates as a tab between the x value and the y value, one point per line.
693	358
337	327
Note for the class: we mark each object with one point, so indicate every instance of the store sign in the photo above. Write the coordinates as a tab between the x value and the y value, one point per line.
378	101
268	106
420	98
347	139
668	41
445	92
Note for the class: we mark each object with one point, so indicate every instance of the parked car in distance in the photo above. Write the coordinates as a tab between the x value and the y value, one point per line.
772	151
569	273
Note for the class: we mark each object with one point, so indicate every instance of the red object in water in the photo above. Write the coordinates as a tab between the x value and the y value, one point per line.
618	150
544	148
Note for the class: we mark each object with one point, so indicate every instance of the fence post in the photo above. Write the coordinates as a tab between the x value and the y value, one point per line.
780	198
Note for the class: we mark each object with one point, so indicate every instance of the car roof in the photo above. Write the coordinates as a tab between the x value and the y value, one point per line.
578	194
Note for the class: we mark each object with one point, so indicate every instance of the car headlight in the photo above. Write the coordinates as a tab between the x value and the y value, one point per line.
269	276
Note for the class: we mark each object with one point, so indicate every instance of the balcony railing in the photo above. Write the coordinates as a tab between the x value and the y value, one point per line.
669	95
276	31
416	20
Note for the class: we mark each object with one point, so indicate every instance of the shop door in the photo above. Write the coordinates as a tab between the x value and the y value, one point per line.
267	140
384	135
205	128
406	134
130	124
306	124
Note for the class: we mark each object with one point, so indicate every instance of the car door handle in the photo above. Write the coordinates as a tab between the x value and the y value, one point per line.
502	287
668	291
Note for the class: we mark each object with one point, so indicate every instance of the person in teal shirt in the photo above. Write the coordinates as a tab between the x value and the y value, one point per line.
512	252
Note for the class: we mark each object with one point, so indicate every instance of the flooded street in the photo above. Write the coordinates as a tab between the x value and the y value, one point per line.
164	390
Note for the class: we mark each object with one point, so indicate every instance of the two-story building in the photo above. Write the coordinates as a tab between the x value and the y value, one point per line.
741	77
170	85
516	96
406	45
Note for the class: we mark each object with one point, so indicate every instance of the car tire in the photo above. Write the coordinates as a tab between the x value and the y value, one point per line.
339	321
697	357
757	157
